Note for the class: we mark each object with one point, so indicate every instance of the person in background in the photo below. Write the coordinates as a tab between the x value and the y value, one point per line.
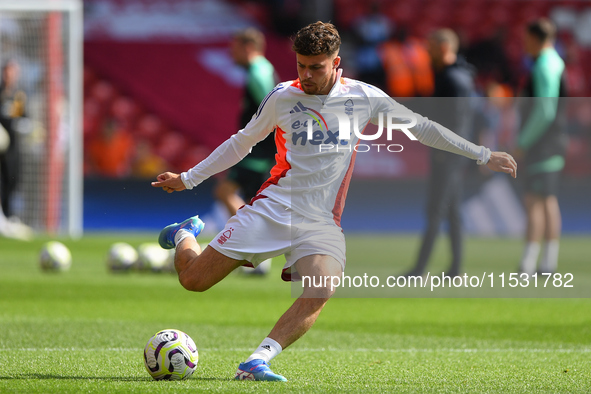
111	153
371	30
245	178
542	144
13	123
454	80
12	111
407	66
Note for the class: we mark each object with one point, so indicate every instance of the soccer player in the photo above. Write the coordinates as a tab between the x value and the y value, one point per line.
542	141
298	209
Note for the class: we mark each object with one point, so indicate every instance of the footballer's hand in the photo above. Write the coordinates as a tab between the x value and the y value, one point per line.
502	162
169	182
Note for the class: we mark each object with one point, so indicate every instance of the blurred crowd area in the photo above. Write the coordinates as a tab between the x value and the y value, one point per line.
384	40
122	138
383	44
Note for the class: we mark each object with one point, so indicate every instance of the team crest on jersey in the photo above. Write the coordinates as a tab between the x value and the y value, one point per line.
349	107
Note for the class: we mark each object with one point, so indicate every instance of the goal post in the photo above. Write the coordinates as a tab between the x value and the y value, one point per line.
45	38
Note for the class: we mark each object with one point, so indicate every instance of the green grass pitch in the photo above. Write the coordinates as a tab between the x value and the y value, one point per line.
84	330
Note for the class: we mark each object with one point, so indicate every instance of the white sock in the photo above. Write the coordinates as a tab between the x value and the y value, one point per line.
180	235
267	350
549	261
530	258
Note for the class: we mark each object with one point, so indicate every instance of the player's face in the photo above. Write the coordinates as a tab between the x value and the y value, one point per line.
238	52
435	52
317	73
11	73
532	45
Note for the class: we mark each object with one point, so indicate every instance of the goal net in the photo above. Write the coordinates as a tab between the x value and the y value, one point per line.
44	39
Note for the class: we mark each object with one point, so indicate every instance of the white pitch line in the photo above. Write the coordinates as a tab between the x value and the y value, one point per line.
359	350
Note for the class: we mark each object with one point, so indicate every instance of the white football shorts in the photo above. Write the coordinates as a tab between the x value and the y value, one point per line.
267	229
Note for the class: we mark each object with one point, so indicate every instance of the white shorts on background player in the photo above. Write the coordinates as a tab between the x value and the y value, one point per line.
268	229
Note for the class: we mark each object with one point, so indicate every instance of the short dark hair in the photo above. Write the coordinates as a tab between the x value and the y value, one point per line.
446	36
316	39
543	29
251	35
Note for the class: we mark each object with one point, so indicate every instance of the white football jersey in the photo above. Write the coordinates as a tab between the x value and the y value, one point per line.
314	160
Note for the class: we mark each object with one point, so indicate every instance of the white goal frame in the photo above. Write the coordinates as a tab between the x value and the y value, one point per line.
74	8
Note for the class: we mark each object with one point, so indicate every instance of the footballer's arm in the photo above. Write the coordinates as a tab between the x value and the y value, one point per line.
229	153
436	136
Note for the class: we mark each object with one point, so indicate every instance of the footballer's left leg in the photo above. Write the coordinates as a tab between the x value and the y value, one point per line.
300	317
296	321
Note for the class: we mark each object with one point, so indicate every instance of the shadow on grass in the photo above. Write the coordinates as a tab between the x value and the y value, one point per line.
105	378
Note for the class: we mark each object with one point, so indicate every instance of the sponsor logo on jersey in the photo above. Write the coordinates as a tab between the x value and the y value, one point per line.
348	127
308	135
314	115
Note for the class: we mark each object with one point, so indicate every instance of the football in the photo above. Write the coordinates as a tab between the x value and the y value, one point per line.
170	355
151	257
55	256
122	256
169	267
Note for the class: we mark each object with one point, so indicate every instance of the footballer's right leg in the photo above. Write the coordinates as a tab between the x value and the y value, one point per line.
198	270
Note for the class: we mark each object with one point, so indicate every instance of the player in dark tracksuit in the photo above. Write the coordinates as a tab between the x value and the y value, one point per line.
253	170
12	111
454	80
248	175
542	143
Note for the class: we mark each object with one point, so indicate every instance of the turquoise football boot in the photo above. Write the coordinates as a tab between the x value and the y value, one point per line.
257	370
194	225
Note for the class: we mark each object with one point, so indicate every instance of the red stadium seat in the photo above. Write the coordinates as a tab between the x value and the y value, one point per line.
171	146
103	91
192	156
401	12
124	110
149	127
89	78
348	11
